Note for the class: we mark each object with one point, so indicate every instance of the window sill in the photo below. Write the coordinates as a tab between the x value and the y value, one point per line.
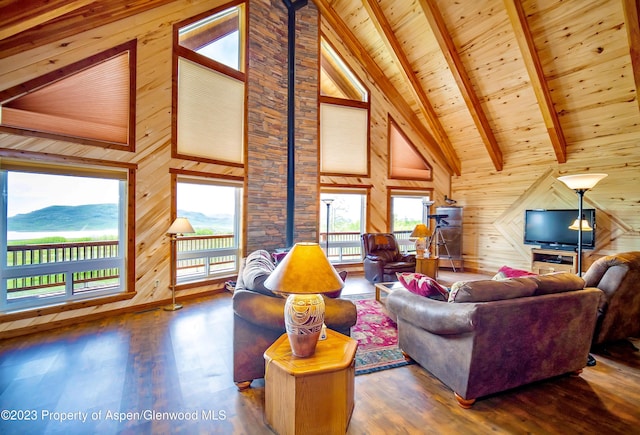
59	308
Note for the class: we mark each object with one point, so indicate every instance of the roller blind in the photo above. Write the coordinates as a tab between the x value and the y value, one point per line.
210	113
343	139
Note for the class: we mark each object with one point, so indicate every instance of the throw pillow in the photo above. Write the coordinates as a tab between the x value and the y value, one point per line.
492	290
558	282
257	268
422	285
506	272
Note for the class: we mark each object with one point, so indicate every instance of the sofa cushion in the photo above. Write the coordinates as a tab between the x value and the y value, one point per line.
492	290
257	268
506	272
558	282
422	285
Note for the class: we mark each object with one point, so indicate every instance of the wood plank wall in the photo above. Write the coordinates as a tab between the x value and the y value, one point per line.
585	54
153	30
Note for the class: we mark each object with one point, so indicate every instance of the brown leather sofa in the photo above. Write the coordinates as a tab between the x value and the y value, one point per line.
618	276
258	318
495	335
383	259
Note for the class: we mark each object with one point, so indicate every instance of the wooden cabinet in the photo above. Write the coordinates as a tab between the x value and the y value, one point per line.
550	260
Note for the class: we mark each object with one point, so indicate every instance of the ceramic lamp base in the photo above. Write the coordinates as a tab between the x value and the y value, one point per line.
303	318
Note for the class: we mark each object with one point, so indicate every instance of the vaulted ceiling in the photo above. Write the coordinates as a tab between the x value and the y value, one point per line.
482	82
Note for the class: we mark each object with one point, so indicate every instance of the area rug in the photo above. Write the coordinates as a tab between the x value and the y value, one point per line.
377	337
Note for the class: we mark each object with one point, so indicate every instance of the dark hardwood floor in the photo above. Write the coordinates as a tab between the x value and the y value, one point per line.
159	372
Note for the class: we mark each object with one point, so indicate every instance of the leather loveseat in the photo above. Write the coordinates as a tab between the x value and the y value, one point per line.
258	318
494	335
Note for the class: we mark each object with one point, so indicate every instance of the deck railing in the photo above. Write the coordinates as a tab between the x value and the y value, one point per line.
47	269
199	258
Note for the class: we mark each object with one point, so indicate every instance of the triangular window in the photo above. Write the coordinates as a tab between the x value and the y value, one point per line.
336	79
91	102
217	37
405	162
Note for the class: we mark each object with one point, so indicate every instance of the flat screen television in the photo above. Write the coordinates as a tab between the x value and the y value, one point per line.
550	229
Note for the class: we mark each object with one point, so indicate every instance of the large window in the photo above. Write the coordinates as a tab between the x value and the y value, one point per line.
64	233
408	209
344	117
346	222
214	209
209	90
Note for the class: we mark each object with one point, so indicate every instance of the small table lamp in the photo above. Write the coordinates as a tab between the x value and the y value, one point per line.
419	233
179	227
303	274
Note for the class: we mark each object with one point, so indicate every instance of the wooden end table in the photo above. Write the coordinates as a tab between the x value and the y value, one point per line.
312	395
428	266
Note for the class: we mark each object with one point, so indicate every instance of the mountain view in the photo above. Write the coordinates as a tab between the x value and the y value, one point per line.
100	217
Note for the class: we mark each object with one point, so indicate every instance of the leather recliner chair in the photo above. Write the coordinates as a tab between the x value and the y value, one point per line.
618	276
383	259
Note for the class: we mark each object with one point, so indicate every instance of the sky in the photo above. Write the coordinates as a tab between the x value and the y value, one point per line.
28	191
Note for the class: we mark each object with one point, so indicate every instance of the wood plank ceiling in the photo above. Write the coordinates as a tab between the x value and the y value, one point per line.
476	80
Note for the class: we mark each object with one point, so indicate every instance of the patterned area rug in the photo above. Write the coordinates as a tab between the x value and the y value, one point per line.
377	337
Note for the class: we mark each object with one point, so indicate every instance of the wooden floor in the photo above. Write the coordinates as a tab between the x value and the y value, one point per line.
159	372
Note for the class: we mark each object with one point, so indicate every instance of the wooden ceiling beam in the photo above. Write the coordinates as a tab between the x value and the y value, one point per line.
536	74
448	48
360	53
631	17
18	15
388	37
63	22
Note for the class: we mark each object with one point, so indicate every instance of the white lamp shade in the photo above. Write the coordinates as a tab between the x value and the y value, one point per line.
576	225
181	226
581	181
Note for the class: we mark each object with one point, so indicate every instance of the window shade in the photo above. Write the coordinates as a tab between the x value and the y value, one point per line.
210	114
343	139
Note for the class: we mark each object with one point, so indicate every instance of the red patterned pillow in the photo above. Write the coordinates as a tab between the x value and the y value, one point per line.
506	272
422	285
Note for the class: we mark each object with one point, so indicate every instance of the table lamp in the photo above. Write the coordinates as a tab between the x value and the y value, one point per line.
304	274
419	233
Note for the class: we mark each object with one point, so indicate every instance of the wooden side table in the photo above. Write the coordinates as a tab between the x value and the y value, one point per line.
312	395
427	266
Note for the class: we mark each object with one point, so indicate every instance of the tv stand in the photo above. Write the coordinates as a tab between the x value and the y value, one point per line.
553	260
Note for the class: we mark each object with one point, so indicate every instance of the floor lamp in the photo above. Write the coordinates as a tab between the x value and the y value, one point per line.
327	201
179	227
581	183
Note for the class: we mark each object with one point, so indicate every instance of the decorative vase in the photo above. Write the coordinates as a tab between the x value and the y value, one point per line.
303	318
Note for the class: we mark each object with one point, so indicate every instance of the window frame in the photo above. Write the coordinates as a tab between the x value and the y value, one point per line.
68	71
364	104
64	165
364	192
184	176
425	194
181	52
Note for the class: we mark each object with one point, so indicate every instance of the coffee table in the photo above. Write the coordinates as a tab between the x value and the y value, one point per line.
386	288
